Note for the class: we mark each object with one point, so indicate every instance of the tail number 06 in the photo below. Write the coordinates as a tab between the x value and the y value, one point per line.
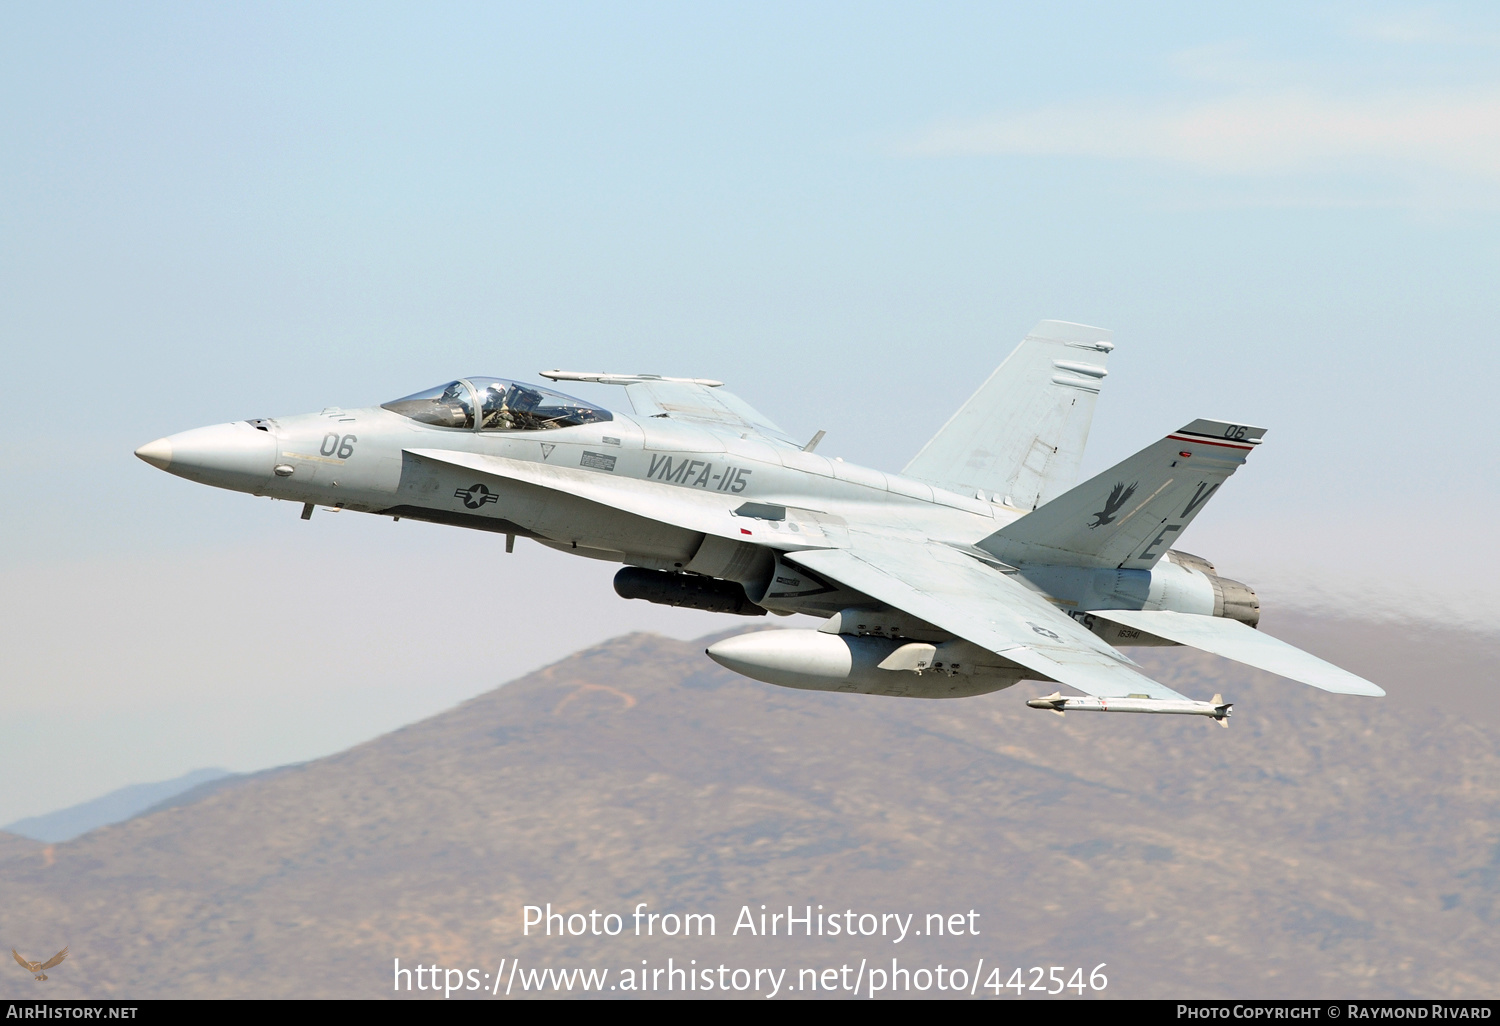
334	445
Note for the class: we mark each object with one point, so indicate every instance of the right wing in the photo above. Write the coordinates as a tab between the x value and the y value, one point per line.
698	400
978	603
21	961
1234	640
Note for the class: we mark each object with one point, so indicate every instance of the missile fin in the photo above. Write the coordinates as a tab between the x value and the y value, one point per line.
1052	703
1223	707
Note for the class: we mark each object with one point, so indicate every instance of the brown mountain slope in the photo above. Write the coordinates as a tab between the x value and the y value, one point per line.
1322	846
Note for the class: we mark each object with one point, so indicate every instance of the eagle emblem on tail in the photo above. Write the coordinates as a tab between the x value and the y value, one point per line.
38	967
1117	498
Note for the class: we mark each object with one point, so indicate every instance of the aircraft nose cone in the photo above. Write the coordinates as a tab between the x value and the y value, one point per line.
236	455
157	453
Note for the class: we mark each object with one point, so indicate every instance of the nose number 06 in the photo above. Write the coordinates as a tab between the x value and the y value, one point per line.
334	445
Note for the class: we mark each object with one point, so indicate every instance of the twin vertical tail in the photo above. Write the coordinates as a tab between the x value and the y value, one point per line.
1130	515
1020	437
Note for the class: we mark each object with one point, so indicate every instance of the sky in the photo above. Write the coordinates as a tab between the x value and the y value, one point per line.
849	212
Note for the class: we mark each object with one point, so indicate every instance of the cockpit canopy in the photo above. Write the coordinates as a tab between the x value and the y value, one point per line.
502	406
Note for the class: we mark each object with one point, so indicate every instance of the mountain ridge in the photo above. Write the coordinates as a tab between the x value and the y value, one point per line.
1321	846
112	807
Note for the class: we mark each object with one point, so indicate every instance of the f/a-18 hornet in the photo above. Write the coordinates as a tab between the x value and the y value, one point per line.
979	565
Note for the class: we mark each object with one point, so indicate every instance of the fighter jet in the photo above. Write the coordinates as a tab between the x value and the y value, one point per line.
981	564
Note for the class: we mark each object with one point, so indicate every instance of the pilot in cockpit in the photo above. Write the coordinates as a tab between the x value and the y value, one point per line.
501	406
510	408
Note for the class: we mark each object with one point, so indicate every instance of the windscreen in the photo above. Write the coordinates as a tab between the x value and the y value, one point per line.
450	405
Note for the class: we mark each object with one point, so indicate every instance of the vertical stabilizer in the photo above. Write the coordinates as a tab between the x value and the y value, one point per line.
1130	515
1021	435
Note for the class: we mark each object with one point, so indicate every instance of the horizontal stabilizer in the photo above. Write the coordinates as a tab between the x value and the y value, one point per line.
1130	515
1234	640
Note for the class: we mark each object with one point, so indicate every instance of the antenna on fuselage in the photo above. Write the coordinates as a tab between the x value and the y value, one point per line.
623	379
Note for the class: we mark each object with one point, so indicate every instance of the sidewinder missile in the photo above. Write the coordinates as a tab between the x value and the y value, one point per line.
1218	709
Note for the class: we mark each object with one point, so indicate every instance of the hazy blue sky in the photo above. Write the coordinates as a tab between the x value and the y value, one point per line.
850	212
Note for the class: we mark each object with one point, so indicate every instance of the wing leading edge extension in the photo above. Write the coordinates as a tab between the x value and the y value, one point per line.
958	593
690	509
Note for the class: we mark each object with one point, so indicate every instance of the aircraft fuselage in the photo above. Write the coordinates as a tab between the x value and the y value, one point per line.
758	499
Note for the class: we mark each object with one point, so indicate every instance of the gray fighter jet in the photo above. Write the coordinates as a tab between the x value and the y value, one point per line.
979	565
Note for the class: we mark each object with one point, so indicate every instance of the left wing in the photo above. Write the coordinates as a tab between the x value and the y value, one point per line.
700	400
55	959
980	604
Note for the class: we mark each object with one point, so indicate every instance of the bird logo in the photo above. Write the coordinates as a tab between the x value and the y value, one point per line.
1117	498
39	967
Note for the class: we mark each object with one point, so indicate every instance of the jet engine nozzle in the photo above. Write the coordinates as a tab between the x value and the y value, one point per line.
1235	601
1232	600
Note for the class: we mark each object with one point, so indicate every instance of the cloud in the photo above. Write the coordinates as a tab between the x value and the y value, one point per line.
1421	26
1254	133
